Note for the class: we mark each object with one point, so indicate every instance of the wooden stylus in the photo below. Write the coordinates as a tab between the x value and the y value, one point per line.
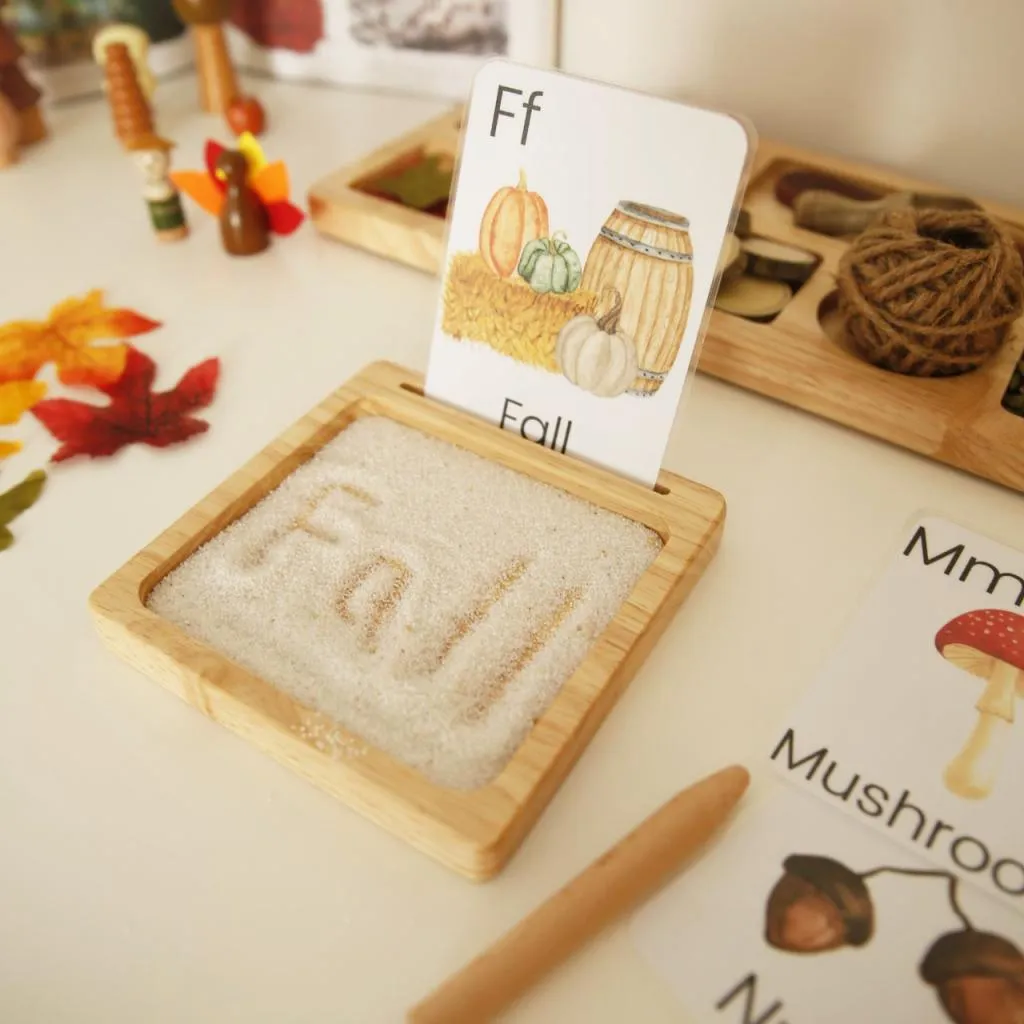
625	875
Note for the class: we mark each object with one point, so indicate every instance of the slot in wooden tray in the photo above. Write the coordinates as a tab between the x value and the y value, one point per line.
472	831
959	421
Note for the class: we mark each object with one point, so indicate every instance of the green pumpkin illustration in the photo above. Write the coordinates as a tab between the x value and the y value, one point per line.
550	265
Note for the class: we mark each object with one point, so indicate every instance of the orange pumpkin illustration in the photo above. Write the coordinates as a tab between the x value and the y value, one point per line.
513	217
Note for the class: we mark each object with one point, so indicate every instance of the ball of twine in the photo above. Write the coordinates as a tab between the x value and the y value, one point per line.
930	293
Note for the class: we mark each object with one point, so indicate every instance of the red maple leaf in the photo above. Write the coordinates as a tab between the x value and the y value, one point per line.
136	415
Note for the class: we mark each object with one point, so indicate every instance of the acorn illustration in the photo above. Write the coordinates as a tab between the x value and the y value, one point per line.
978	977
818	905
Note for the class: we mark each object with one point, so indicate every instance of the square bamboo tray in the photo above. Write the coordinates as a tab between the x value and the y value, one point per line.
474	832
959	421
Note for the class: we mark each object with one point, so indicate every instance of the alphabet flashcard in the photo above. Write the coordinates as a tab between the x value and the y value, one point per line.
800	915
915	725
586	228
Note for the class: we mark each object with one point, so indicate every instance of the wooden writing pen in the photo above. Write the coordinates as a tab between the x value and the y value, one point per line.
624	876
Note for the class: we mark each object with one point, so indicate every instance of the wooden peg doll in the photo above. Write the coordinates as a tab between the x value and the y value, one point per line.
217	83
152	155
244	223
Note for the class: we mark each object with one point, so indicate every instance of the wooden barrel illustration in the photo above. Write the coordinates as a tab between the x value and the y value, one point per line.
645	254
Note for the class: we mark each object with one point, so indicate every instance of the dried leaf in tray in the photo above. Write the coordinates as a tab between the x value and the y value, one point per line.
421	186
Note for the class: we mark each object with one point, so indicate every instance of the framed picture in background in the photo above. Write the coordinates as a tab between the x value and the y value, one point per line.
57	35
430	46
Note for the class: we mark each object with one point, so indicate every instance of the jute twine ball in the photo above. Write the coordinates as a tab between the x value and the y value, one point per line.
931	293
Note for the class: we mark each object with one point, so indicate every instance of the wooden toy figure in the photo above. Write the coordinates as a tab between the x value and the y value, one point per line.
18	91
152	155
244	225
217	83
245	192
133	118
137	42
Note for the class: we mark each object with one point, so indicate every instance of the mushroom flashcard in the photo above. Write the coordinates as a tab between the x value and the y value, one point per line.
989	645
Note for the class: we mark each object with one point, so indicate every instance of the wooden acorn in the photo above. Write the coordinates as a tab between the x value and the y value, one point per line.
818	905
217	83
244	224
978	977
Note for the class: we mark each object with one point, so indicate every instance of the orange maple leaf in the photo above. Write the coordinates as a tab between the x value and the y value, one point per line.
66	340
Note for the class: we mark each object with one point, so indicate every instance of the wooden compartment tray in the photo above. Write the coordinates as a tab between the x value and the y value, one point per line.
473	831
959	421
340	208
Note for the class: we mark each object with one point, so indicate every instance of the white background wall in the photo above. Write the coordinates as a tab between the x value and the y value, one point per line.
933	87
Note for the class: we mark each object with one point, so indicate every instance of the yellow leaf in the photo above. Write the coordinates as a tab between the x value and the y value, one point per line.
9	448
66	338
18	397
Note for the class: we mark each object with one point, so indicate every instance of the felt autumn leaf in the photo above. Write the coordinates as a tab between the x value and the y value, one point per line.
269	180
66	339
16	398
422	185
136	414
15	501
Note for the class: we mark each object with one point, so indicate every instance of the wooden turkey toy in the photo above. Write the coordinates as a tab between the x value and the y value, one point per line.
989	644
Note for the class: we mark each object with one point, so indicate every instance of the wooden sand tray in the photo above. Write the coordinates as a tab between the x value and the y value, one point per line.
798	358
473	831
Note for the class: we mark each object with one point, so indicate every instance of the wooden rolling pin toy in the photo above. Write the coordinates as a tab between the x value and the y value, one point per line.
624	876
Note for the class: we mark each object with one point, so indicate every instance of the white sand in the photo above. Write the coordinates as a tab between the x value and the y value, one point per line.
426	599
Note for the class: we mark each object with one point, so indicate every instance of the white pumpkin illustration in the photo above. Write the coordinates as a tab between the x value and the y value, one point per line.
594	355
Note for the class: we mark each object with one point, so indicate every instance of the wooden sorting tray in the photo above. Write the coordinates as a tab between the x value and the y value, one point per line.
958	421
340	209
472	831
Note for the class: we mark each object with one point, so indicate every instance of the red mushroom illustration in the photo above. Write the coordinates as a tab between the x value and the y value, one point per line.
987	643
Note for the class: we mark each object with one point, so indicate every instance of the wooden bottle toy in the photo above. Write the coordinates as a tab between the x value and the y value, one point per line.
133	118
18	91
244	226
217	83
152	156
10	133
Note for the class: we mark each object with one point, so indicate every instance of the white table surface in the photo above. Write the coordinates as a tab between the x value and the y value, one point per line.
154	867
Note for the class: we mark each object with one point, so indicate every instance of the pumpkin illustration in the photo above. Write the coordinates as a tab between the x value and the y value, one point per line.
550	265
513	217
593	355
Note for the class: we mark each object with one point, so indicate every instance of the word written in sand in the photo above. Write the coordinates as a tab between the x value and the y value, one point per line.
428	602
